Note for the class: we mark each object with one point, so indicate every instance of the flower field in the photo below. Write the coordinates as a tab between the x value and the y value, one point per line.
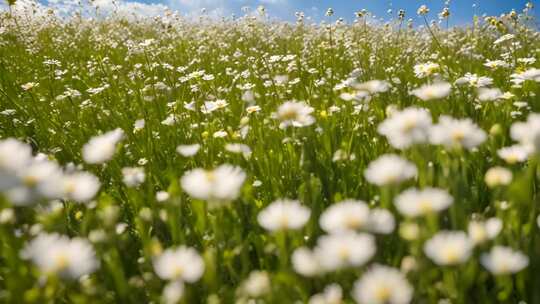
174	160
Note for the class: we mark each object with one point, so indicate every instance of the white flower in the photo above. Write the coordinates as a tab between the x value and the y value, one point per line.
494	64
138	125
173	292
480	232
426	69
432	91
162	196
296	114
498	176
451	133
382	285
305	262
179	264
514	154
449	248
220	185
422	10
532	74
333	294
38	179
415	202
504	260
474	81
80	187
133	176
381	221
372	87
101	148
407	127
343	250
389	169
57	254
284	214
344	216
527	133
488	94
257	284
245	150
188	150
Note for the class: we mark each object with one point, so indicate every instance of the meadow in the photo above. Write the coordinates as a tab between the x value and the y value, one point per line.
174	160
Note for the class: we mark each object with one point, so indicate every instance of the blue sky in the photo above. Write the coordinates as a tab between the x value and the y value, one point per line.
284	9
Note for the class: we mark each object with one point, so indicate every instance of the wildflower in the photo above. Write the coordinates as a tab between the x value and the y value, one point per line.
485	94
133	176
188	150
481	231
245	150
381	221
284	214
434	91
405	128
504	260
296	114
256	285
527	133
57	254
162	196
344	216
173	292
383	285
179	264
498	176
80	186
424	70
414	202
495	64
474	80
101	148
332	294
461	133
449	248
422	10
38	179
513	154
305	262
220	185
372	86
138	125
389	169
14	157
342	250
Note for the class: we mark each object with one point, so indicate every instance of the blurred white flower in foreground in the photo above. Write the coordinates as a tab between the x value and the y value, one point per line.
498	176
100	149
179	264
332	294
389	169
220	185
383	285
432	91
415	202
256	285
305	262
504	260
188	150
57	254
296	114
344	216
133	176
343	250
480	231
527	133
457	133
407	127
284	214
449	248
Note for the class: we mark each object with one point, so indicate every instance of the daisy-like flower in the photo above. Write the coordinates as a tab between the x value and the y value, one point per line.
342	250
372	87
38	179
295	114
101	148
449	248
332	294
495	64
532	74
424	70
381	221
133	176
481	231
460	133
344	216
383	285
498	176
407	127
217	186
173	292
389	169
256	285
415	202
62	256
422	10
188	150
513	154
474	80
284	214
80	186
504	260
305	262
527	133
432	91
179	264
